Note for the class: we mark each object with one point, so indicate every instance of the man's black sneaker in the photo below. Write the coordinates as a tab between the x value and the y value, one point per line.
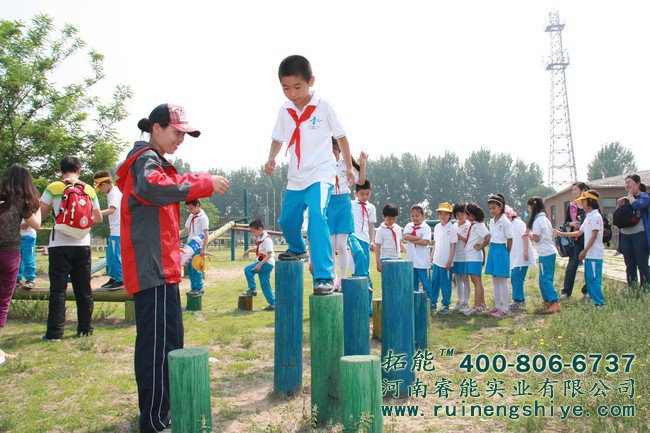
84	334
45	338
115	286
108	283
288	256
269	308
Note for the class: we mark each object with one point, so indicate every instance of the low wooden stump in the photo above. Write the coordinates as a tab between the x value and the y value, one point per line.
245	303
360	391
376	319
194	302
189	390
129	311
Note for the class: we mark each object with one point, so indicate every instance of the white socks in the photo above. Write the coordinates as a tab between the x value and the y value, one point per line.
462	288
501	293
340	250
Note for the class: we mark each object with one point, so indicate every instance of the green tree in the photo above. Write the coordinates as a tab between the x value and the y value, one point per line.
41	121
612	159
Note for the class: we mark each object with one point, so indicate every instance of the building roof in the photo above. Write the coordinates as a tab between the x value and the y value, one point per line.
609	182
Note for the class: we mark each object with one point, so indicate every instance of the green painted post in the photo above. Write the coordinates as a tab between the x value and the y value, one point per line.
233	239
129	311
189	391
326	338
194	303
355	316
421	319
360	390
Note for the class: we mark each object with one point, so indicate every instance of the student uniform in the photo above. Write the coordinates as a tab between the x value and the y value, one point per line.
518	264
264	248
339	212
459	266
419	255
113	254
594	257
390	239
547	254
196	225
498	261
473	258
27	268
311	177
444	236
364	215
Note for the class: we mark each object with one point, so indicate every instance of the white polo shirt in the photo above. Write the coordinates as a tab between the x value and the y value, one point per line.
362	222
542	227
443	238
462	230
390	246
317	163
517	251
477	233
419	254
28	231
501	230
197	223
594	221
114	198
266	247
342	178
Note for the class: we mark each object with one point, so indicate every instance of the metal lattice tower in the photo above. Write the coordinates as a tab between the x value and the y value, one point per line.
562	162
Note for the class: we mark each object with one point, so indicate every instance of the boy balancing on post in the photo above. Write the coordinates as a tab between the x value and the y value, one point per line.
104	183
263	265
445	238
197	224
417	235
307	123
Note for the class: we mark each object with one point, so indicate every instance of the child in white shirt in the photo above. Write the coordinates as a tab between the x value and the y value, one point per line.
417	235
478	236
388	239
264	263
362	241
522	257
498	261
445	239
459	268
197	223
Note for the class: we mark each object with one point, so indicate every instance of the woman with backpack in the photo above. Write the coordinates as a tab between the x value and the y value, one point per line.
18	200
631	217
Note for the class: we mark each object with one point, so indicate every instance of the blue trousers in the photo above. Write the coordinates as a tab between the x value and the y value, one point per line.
440	281
27	258
546	277
114	258
196	277
265	280
421	276
361	256
315	198
517	278
594	280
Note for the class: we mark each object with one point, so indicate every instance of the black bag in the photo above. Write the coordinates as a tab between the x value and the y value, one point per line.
624	216
564	244
607	232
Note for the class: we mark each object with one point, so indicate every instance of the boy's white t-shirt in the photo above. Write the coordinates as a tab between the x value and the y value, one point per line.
501	230
200	223
542	227
419	254
29	231
363	220
317	163
594	221
517	251
342	178
114	198
390	246
462	230
477	233
443	237
266	247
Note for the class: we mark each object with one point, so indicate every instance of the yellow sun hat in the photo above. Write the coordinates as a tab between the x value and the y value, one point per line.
100	180
445	207
584	196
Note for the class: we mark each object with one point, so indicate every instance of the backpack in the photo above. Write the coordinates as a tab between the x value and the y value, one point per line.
607	231
564	244
624	216
75	217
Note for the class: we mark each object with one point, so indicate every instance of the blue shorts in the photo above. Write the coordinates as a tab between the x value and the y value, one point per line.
339	215
474	268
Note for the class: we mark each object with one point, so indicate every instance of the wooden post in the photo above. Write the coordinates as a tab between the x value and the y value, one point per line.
397	341
245	302
355	316
189	390
129	311
421	322
194	303
326	338
287	369
361	394
376	319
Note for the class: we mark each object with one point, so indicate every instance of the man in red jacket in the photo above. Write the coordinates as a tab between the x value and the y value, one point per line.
150	212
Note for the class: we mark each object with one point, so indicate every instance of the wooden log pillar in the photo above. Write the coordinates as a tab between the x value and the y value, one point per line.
376	319
287	369
326	339
194	303
129	311
356	323
360	390
397	340
189	390
421	319
245	303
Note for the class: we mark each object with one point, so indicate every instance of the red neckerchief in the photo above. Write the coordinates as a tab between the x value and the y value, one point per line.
394	235
469	231
295	137
337	186
261	257
192	222
363	209
415	229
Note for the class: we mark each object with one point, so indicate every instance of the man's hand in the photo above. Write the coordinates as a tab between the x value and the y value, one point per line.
220	184
269	167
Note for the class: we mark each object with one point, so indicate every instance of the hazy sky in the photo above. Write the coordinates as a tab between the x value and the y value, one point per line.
417	76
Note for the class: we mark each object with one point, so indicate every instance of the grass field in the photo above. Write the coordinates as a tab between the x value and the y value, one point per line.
87	385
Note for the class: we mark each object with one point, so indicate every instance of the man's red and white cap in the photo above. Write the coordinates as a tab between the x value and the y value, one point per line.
174	116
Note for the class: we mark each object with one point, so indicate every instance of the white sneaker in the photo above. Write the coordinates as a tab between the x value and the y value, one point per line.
458	306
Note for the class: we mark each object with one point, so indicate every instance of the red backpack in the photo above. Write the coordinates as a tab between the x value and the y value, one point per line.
75	217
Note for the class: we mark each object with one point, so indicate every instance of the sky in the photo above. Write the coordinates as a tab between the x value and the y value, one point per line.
419	76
